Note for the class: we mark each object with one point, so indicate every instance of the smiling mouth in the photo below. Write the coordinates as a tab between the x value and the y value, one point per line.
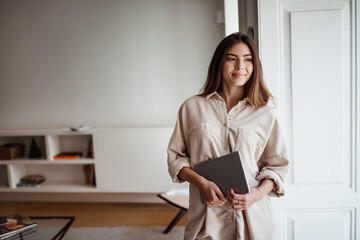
239	74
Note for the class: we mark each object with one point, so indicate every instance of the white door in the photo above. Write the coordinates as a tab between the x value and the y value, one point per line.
308	52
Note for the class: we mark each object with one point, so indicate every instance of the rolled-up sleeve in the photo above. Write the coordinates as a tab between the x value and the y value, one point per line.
274	162
177	153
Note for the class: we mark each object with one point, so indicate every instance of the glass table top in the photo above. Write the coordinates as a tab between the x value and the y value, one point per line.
49	228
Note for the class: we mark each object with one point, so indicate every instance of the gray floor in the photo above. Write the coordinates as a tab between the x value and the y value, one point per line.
126	233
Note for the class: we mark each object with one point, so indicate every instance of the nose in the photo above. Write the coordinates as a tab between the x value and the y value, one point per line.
239	65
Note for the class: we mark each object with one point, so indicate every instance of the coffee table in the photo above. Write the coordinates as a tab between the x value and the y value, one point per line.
53	228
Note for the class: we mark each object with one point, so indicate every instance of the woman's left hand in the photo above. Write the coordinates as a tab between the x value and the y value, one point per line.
243	201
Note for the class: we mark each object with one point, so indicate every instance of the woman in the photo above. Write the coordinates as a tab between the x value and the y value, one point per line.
231	114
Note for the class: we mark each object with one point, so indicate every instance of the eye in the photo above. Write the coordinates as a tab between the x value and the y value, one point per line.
230	59
248	60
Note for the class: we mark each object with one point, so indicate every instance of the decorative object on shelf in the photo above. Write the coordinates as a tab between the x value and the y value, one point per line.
89	172
11	151
34	150
89	153
80	128
3	177
68	155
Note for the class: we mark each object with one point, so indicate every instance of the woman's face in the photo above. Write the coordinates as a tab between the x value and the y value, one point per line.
238	66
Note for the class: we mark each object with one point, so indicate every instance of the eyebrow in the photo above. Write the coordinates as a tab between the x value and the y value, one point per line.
231	54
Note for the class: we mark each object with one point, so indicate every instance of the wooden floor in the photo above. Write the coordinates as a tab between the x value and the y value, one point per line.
98	214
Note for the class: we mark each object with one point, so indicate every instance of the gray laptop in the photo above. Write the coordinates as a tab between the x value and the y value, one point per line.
227	172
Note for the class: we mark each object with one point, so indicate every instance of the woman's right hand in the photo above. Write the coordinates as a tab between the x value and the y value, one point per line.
211	194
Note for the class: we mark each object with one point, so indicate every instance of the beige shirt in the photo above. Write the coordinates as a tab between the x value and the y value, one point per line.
205	130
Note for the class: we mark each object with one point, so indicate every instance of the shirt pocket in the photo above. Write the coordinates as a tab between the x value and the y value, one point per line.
249	143
200	144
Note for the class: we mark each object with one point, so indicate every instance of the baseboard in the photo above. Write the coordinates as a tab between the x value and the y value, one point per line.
82	197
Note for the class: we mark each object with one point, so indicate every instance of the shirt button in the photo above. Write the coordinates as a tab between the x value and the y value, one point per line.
236	109
224	124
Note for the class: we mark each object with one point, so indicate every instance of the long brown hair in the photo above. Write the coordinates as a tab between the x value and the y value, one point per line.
255	89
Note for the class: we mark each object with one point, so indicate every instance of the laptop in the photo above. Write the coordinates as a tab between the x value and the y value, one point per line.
227	172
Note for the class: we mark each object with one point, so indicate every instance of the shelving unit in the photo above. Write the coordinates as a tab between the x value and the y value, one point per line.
62	175
122	162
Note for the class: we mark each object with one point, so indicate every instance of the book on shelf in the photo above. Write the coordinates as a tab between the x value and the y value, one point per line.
16	224
31	181
29	185
68	155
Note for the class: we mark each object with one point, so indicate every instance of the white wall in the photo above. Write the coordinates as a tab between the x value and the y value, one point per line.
104	62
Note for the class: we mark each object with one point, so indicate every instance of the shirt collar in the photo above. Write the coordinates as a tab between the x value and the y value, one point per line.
245	100
212	94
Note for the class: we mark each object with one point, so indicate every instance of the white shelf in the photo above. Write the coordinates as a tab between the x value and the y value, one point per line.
62	175
22	160
48	162
43	131
54	187
75	161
